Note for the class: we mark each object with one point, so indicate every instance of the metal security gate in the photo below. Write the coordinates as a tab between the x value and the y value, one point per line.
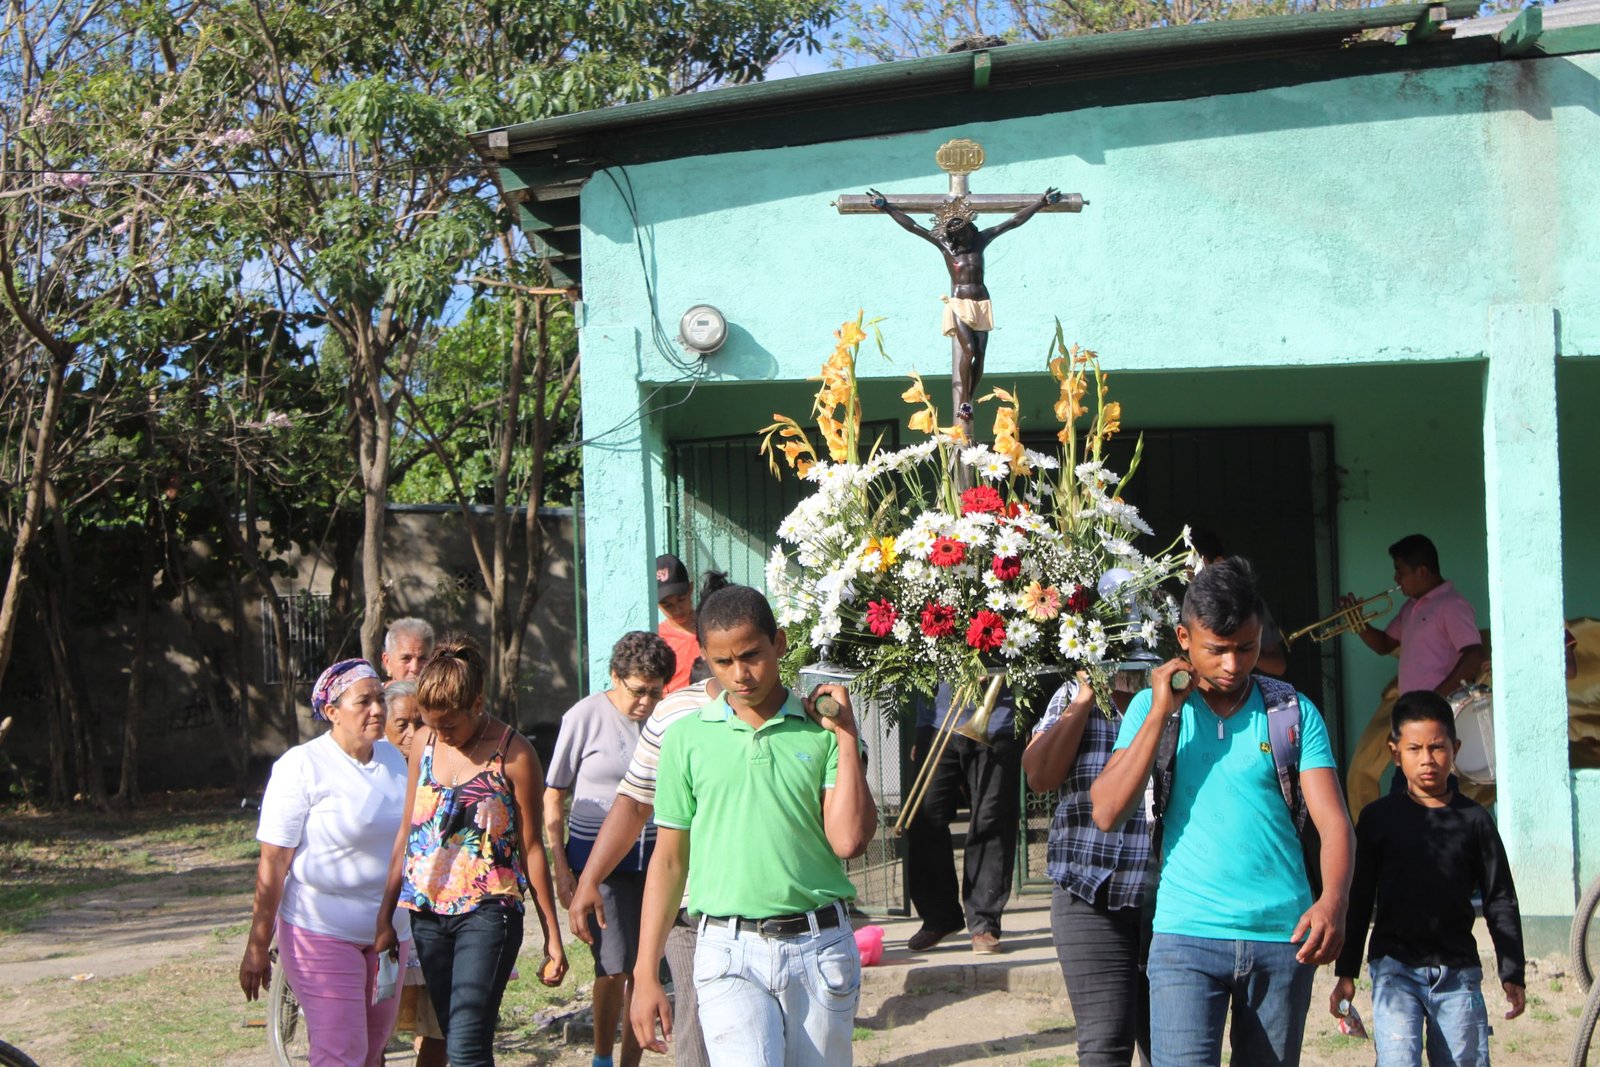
1269	493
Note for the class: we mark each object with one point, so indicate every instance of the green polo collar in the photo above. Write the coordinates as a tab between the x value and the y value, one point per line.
720	711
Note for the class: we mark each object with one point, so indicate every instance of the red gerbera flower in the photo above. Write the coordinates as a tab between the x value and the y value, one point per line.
981	498
938	620
986	632
947	552
881	617
1079	600
1006	567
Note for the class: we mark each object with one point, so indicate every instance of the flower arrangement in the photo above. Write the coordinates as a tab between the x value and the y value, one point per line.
949	559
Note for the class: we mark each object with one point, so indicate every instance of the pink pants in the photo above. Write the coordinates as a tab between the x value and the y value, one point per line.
333	980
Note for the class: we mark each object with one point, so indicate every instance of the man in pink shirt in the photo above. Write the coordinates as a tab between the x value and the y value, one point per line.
1436	632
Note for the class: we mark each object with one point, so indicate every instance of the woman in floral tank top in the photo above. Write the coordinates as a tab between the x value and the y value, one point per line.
469	850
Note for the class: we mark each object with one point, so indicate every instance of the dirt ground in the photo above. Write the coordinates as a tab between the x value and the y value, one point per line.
141	968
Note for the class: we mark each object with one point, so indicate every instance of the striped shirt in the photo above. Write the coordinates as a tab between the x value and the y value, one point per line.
640	780
1079	857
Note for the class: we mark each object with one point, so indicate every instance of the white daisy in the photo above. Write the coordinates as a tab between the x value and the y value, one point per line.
1009	648
1008	543
997	600
994	468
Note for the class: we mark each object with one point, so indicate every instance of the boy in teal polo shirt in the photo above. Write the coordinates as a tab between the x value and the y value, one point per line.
763	802
1236	927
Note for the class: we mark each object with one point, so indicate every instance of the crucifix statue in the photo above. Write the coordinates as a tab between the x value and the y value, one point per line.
968	316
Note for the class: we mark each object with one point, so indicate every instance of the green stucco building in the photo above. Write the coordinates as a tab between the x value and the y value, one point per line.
1346	286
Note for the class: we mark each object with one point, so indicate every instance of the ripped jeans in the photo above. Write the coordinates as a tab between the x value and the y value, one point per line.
779	1001
1446	1003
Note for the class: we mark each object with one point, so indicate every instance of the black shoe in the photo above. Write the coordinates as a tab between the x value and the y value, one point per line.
927	937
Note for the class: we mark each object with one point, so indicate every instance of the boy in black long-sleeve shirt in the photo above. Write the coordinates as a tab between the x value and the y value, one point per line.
1420	856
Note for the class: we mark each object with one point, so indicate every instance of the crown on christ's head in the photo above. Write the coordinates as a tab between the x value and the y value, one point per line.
957	207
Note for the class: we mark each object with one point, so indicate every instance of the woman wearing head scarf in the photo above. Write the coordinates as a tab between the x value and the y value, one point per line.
328	821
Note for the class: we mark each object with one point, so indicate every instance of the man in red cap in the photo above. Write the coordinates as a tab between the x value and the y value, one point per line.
677	617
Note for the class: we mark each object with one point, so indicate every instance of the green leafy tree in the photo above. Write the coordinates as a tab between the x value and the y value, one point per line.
888	31
369	206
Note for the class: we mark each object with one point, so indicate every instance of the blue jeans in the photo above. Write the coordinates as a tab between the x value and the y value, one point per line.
1195	980
466	960
777	1002
1445	1002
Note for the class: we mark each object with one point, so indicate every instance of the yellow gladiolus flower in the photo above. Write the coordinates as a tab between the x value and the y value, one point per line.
922	420
803	467
1112	416
916	394
850	334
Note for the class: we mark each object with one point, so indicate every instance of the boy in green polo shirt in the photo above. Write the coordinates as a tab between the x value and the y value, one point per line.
763	802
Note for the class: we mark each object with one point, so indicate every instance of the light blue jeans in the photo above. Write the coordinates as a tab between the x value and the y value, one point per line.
777	1002
1446	1003
1195	980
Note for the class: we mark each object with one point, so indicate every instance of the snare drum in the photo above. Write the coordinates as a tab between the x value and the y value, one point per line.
1474	710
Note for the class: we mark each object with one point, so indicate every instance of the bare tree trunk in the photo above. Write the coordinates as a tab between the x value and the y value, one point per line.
88	779
376	421
33	509
133	715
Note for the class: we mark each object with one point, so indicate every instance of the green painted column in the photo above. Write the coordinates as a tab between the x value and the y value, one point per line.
622	494
1523	511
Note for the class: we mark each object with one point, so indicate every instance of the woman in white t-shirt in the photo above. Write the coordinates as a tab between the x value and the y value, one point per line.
328	822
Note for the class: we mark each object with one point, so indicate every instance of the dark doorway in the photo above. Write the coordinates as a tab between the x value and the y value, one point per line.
1269	493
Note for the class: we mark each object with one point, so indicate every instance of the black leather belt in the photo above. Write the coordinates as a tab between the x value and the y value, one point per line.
780	925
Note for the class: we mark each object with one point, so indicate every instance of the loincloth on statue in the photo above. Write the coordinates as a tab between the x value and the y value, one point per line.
977	314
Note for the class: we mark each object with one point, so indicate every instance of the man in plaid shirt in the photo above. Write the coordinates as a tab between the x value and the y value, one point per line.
1096	908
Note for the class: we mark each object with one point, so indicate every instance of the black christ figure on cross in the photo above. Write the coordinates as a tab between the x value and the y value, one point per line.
968	315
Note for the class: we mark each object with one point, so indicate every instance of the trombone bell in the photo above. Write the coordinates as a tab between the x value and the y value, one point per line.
977	727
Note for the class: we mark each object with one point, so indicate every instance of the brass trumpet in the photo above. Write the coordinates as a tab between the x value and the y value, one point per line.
1346	620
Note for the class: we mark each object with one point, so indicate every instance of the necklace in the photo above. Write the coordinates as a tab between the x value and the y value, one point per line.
1222	734
464	756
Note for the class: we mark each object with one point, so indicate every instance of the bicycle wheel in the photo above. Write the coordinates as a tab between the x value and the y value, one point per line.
11	1056
1584	1038
286	1021
1584	941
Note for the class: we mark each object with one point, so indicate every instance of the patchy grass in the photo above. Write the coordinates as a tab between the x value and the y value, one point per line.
47	855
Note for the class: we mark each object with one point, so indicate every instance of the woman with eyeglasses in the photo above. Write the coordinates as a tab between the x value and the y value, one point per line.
329	815
402	722
468	852
596	743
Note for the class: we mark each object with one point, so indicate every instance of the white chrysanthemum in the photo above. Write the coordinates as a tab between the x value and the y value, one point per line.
975	455
994	468
1117	546
901	630
1032	522
1025	631
1041	460
917	544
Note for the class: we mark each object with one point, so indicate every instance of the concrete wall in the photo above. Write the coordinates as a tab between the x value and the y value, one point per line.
1332	253
433	572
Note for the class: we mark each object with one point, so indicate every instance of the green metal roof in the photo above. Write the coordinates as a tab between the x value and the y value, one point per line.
545	163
